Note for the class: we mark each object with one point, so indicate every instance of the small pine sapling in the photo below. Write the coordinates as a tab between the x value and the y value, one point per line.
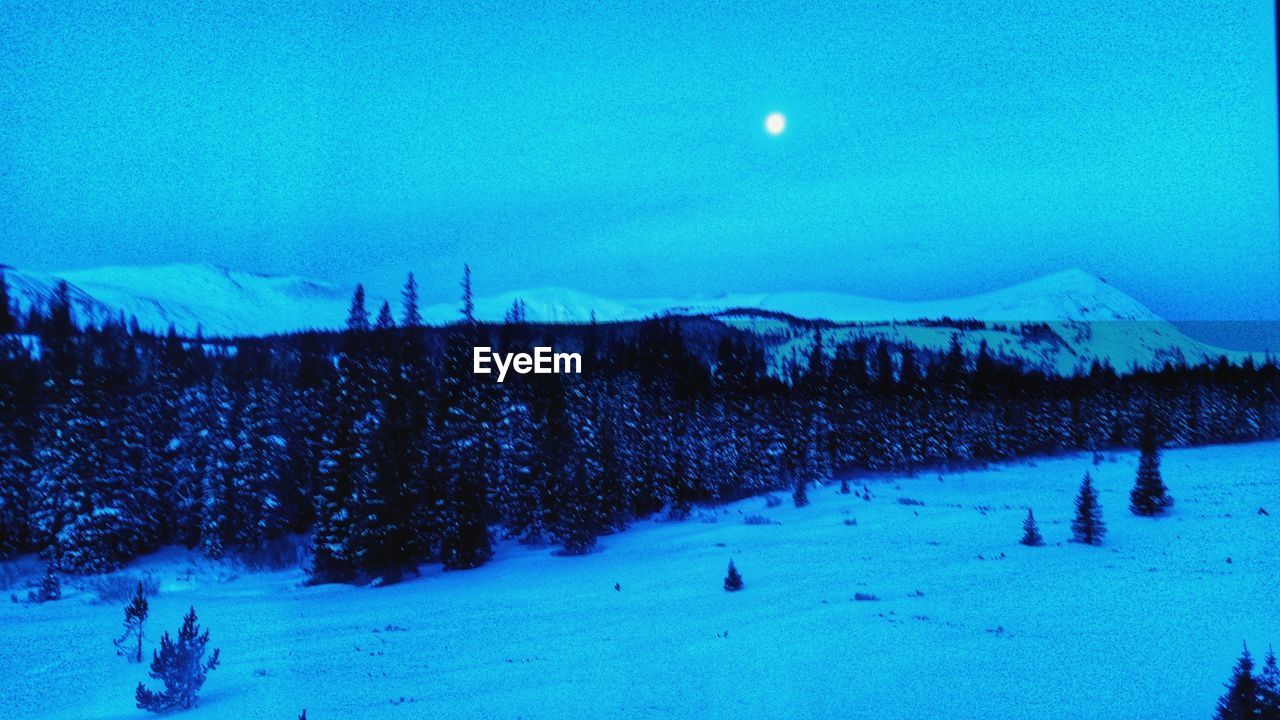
180	666
732	581
135	614
1030	532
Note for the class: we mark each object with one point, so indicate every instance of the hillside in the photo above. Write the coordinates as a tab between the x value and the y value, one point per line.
1087	318
964	618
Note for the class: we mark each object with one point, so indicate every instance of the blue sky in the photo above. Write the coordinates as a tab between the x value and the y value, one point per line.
930	151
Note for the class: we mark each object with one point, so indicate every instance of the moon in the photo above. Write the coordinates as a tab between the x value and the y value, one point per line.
775	123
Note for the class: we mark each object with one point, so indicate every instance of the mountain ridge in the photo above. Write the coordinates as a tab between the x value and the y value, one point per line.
1074	304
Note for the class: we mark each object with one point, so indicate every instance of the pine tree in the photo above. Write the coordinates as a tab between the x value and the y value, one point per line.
580	513
50	587
180	665
579	520
1087	527
199	465
1030	532
8	323
519	491
135	614
799	474
385	321
468	457
341	532
256	480
210	454
357	315
733	580
518	313
410	317
396	537
15	473
19	388
91	512
1149	495
1240	701
800	495
1269	688
57	336
468	303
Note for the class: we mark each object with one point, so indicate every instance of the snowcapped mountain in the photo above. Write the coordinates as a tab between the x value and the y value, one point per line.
1061	321
1072	295
220	301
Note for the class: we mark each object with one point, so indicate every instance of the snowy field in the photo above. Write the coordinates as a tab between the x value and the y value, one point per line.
967	624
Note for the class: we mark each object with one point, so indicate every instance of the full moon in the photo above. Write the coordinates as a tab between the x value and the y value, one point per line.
775	123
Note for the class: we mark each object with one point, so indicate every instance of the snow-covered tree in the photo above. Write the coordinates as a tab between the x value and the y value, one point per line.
89	511
518	494
340	536
181	666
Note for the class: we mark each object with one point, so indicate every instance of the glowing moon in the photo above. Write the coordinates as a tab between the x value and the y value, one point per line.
775	123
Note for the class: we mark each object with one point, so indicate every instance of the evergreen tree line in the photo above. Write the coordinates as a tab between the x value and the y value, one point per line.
382	444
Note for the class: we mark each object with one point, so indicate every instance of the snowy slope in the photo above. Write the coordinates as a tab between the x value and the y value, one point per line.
1072	295
1062	347
239	303
1089	318
220	301
968	623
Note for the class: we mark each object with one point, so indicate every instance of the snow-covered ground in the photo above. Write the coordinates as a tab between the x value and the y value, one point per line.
967	624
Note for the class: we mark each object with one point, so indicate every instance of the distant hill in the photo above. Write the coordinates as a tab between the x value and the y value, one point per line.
1060	321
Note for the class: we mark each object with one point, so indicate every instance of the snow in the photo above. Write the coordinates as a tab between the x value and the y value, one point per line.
1092	319
228	302
1071	295
968	622
1069	346
221	302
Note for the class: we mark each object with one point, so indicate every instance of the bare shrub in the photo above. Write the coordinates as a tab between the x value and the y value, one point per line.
119	587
